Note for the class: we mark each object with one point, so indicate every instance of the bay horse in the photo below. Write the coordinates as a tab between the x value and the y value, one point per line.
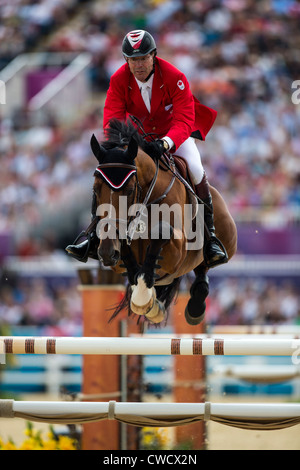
154	251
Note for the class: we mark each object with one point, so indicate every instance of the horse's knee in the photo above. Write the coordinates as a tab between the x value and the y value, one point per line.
161	233
172	256
168	242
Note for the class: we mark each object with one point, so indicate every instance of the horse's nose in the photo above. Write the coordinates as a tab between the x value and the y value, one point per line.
108	254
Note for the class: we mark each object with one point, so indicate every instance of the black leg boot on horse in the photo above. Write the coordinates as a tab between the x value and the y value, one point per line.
214	254
87	248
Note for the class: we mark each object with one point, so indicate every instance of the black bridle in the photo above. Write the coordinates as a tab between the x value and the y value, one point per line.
133	221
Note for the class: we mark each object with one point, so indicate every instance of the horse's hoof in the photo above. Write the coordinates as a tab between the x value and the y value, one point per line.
157	313
157	319
195	309
194	312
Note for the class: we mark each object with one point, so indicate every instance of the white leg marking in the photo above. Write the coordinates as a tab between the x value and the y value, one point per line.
141	294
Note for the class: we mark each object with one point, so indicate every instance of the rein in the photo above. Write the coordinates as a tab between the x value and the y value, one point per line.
134	221
168	161
170	164
168	158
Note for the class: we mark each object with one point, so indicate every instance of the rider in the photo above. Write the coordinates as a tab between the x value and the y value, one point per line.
158	94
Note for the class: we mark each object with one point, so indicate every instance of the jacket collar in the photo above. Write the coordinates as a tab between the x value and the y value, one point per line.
157	90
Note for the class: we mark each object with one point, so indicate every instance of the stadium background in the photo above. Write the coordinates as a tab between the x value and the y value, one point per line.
241	58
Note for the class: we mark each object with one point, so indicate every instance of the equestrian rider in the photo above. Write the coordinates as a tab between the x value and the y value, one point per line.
158	94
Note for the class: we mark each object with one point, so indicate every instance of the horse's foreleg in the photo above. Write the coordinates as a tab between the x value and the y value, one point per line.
143	299
130	263
144	302
160	235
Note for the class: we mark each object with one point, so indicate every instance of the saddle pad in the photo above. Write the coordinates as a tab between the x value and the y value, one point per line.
183	170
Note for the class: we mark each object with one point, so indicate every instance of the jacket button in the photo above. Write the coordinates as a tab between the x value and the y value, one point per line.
153	128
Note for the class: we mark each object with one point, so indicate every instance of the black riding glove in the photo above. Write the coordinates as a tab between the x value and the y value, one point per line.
155	149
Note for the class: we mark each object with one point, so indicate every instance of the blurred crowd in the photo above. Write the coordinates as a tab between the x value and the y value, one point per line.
253	301
46	178
241	58
34	302
25	22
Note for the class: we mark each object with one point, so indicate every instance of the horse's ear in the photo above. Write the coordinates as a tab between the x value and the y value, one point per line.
132	149
97	149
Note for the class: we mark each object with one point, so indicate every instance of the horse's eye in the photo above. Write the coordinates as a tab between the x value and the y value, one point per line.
129	191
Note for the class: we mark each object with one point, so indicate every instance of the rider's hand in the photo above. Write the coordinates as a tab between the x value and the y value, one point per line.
155	149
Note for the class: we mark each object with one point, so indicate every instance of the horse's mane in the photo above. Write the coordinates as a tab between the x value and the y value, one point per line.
118	134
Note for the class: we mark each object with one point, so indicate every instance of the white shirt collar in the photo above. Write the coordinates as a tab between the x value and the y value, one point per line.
149	83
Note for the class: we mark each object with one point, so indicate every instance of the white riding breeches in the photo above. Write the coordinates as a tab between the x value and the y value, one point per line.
189	151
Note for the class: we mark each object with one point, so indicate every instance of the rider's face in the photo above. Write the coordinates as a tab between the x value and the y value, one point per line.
141	67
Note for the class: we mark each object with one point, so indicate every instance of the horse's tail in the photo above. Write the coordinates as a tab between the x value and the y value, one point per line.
166	294
124	304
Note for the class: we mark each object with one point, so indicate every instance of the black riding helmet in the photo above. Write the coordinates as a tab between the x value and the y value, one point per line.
138	43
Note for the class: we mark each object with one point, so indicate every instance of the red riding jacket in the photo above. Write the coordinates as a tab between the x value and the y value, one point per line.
175	112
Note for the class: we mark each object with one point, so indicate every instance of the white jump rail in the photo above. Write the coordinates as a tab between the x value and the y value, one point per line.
263	374
252	416
222	346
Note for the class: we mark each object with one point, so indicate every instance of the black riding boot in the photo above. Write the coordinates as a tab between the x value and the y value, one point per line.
213	251
87	248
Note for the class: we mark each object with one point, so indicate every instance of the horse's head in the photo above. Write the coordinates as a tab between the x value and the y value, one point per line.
115	176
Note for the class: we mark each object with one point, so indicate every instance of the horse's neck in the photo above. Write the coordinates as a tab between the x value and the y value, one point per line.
145	169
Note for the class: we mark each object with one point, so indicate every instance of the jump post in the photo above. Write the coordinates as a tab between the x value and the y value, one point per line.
190	374
104	375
